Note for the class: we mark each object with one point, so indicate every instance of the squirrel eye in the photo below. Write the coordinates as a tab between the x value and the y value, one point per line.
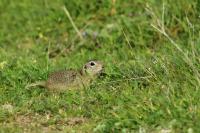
92	63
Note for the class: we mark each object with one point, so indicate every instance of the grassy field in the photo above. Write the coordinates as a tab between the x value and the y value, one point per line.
151	52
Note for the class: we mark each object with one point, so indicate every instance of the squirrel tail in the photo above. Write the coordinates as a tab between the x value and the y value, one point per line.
39	83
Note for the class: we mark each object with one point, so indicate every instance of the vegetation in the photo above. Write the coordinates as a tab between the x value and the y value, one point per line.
151	54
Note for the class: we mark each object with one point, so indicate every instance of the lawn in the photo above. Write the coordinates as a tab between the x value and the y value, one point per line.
151	53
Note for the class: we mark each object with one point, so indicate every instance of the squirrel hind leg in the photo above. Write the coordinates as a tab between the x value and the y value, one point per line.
39	83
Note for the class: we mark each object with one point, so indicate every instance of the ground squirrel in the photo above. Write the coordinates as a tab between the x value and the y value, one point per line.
71	79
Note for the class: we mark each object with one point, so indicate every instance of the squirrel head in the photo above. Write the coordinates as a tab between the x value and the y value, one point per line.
92	68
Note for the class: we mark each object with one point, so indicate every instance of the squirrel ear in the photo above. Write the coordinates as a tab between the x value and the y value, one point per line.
84	67
83	71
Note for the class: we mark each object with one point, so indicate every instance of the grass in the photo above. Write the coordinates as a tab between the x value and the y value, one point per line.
157	40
